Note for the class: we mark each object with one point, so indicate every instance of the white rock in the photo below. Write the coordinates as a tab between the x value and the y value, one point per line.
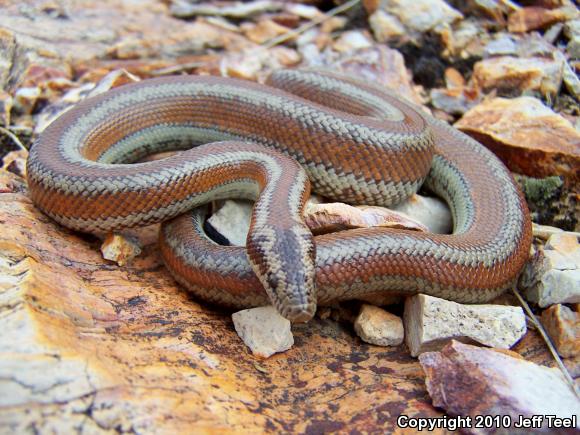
553	275
263	330
421	15
232	221
431	212
377	326
431	322
352	40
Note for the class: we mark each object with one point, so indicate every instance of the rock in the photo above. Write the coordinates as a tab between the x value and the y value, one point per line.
513	76
232	221
455	101
186	9
572	31
263	31
522	46
117	30
352	40
307	12
454	79
563	327
386	27
464	40
106	348
15	162
263	330
337	216
120	249
377	326
528	136
25	99
544	231
503	44
566	244
469	381
257	63
534	18
429	211
380	65
571	81
552	276
419	16
431	322
487	8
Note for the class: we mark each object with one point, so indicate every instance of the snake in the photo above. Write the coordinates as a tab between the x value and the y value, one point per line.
347	140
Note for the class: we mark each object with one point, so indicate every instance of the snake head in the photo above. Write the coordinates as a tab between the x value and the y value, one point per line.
283	258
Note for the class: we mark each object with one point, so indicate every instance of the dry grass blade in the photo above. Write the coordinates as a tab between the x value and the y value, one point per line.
14	138
549	343
295	32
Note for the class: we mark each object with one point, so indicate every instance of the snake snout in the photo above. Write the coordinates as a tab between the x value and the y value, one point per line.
284	261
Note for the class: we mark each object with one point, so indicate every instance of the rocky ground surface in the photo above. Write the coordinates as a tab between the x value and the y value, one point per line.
97	337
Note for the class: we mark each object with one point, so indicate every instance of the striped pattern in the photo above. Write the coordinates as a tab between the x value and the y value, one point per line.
355	142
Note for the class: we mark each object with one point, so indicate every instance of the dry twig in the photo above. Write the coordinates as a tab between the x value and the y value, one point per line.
315	22
549	343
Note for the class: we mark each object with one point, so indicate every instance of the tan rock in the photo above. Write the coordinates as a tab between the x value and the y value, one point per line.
377	326
533	18
431	322
385	26
528	136
544	231
263	330
517	75
380	65
263	31
120	249
453	79
566	244
331	217
563	327
469	381
15	162
464	40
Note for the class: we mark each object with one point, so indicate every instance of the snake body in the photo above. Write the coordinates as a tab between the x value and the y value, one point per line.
355	142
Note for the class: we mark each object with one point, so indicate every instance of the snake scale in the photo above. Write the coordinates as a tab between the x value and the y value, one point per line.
355	142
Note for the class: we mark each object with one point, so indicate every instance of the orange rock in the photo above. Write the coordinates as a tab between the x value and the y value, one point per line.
109	348
529	137
516	75
534	18
453	78
563	326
